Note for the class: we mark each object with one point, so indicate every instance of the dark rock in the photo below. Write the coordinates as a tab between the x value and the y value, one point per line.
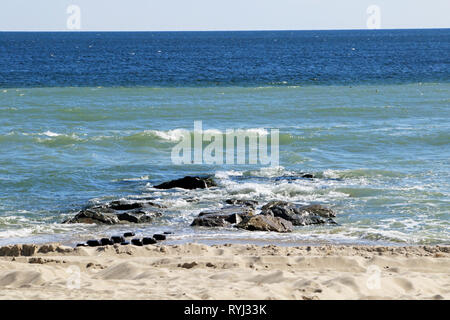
319	210
139	216
128	234
122	205
148	240
117	239
265	223
298	215
98	214
188	182
168	232
308	176
119	211
82	245
239	202
125	243
159	237
93	243
106	241
222	217
136	242
211	221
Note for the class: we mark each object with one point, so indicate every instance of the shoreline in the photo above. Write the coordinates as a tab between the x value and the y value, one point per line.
229	271
181	239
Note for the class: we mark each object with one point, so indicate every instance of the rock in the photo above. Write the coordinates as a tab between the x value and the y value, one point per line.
82	245
168	232
239	202
148	240
188	182
106	241
222	217
119	211
265	223
125	243
139	216
211	221
93	243
319	210
129	234
122	205
308	176
136	242
159	237
97	214
298	215
117	239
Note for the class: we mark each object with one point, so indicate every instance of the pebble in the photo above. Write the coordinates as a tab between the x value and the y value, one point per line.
129	234
106	241
93	243
117	239
159	237
136	242
148	240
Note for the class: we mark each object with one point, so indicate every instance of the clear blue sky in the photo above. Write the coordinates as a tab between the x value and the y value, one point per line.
222	14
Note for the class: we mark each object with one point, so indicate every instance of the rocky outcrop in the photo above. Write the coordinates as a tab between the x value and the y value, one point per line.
223	217
188	182
299	215
120	211
278	216
265	223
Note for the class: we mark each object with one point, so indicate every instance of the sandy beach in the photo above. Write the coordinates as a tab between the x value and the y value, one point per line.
229	271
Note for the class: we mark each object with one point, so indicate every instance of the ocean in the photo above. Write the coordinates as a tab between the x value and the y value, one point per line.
87	117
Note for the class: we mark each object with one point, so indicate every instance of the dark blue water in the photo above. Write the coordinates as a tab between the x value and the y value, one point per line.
224	58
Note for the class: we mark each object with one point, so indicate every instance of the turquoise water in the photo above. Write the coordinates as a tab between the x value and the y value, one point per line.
380	154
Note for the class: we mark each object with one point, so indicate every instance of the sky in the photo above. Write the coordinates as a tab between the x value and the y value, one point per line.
190	15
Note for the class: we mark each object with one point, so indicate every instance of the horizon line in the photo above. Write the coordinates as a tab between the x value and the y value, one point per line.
240	30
